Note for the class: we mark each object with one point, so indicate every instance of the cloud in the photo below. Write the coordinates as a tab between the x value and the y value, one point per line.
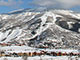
56	3
10	2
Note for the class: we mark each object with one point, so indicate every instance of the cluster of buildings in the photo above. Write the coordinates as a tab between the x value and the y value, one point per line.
35	53
28	51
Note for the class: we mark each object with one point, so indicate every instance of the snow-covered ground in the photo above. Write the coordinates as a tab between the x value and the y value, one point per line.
50	26
41	58
30	49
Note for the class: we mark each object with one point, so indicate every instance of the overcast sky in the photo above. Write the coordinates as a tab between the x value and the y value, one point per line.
10	5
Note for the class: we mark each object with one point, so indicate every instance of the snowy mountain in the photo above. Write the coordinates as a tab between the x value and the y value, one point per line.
53	28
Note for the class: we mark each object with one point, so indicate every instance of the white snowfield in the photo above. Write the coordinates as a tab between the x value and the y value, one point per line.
68	12
42	58
13	35
22	49
16	48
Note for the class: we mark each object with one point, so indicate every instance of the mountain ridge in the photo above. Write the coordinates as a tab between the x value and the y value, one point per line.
59	28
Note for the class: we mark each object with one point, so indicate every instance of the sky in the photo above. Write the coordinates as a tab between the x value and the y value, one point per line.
11	5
